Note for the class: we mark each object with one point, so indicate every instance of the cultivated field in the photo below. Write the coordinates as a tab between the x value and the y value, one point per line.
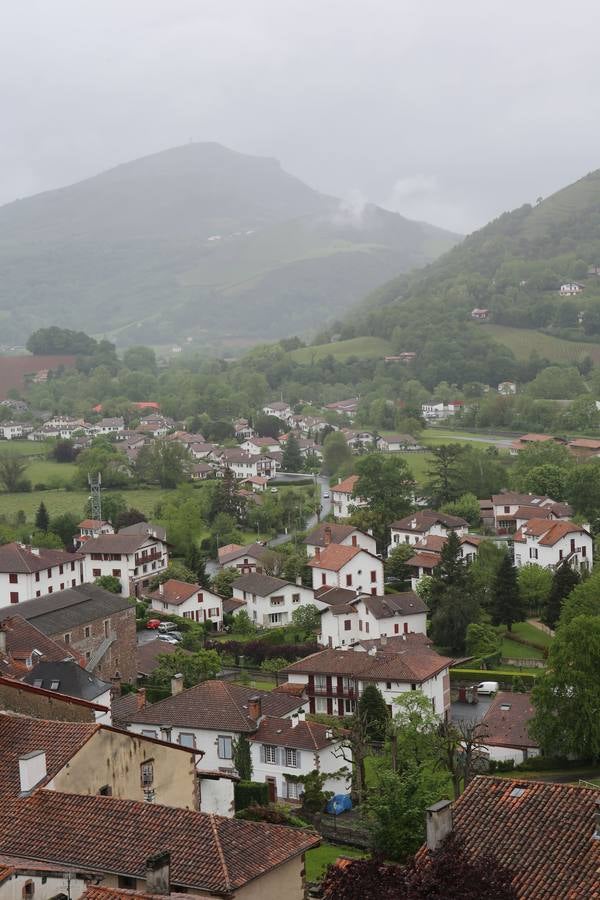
362	348
524	341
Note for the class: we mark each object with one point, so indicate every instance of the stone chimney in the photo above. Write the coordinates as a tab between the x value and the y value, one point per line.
301	715
327	535
140	696
115	681
161	589
2	638
439	823
176	684
35	551
295	719
255	708
32	769
158	873
299	580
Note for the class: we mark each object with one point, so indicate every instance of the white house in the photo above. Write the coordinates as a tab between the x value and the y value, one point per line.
424	523
347	567
246	559
257	445
132	558
571	287
508	503
109	426
395	443
358	440
279	409
507	388
330	533
342	499
344	407
28	572
188	600
271	601
549	544
241	463
441	410
335	679
90	528
14	431
292	747
505	728
373	617
210	716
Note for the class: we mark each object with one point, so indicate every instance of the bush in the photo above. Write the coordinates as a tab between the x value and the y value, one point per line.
503	678
40	486
250	793
501	765
257	651
274	814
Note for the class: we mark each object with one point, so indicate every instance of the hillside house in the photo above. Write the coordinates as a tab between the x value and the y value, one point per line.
571	287
584	448
187	600
550	543
342	499
257	445
270	601
528	440
27	572
241	464
247	559
428	554
344	407
330	533
506	505
441	410
341	566
109	425
507	388
335	679
243	429
292	747
373	617
132	558
424	523
91	528
279	408
480	315
397	443
14	431
359	440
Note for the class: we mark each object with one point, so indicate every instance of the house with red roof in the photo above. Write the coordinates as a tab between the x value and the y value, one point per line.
337	565
414	528
550	543
505	728
188	600
27	572
342	499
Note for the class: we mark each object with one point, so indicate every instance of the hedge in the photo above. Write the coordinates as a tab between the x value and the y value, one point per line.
527	643
475	676
250	793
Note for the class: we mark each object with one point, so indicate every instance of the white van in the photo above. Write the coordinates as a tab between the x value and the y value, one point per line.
488	687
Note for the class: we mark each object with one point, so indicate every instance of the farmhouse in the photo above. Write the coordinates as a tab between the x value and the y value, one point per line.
347	567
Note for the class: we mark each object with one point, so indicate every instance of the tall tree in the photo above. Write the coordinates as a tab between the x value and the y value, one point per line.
452	598
292	458
564	580
196	563
336	452
507	605
225	498
166	463
445	483
42	519
388	484
374	711
242	758
535	584
12	469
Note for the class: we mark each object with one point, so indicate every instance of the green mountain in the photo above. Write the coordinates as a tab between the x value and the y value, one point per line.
196	242
513	267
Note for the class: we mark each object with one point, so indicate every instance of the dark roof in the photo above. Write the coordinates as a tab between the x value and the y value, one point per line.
404	604
262	585
255	550
414	663
104	834
148	529
20	735
72	679
335	595
507	721
21	559
123	707
215	705
117	543
544	833
290	687
394	642
148	653
19	687
22	638
425	518
230	604
66	609
316	537
303	736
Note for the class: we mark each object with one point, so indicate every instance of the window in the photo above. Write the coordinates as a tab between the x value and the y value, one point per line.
14	596
28	889
533	554
72	567
323	578
62	585
360	625
127	882
349	706
348	580
13	578
320	682
292	790
270	753
88	655
105	791
61	569
147	774
291	757
388	685
320	705
187	739
413	687
54	684
96	573
106	625
67	638
49	572
87	631
347	624
50	589
584	551
507	509
38	593
355	541
295	598
373	576
367	627
213	613
224	749
37	576
116	573
149	732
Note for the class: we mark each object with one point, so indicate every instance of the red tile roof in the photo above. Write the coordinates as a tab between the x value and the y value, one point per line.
96	892
335	557
22	638
549	532
303	736
425	519
289	687
175	592
507	720
346	486
17	558
424	560
215	705
542	832
414	663
103	834
149	652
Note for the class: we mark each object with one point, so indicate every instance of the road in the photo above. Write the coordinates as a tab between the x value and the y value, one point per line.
323	482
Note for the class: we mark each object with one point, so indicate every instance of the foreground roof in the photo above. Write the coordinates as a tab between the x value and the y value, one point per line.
174	592
215	705
414	663
335	533
542	832
406	603
335	557
262	585
18	558
209	853
69	678
303	736
62	610
346	486
548	532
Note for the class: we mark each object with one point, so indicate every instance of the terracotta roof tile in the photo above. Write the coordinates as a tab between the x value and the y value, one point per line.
338	533
507	720
22	637
174	592
335	557
346	486
404	604
149	652
425	519
414	663
20	559
304	736
548	532
424	560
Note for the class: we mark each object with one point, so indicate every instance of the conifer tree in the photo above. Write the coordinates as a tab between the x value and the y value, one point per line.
507	606
292	458
42	519
565	579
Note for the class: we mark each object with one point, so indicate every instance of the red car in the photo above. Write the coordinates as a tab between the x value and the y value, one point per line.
152	623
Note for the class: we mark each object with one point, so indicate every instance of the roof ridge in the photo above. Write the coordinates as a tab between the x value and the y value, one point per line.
240	708
220	852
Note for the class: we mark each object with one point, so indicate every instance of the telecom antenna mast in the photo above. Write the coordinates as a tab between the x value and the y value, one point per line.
96	496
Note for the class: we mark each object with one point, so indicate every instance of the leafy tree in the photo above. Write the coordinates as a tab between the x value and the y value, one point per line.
483	571
546	453
46	539
564	580
140	359
292	458
12	469
113	506
336	453
557	383
566	695
243	624
547	480
175	570
584	600
196	563
102	457
242	758
109	583
60	341
373	709
64	451
445	484
388	484
307	617
313	796
225	498
535	583
274	664
130	516
507	605
42	519
482	640
162	462
395	565
65	526
221	582
460	746
268	426
583	489
467	507
413	732
195	667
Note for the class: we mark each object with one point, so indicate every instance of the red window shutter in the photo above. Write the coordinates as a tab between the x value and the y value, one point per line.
329	706
340	707
311	704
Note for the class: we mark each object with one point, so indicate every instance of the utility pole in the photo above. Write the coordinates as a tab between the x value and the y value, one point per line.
96	496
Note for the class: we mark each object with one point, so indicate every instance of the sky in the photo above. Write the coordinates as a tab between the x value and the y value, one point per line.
448	112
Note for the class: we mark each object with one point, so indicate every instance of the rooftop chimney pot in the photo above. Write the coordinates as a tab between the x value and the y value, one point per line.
32	770
2	638
140	696
295	719
255	708
327	535
158	873
439	823
176	684
301	715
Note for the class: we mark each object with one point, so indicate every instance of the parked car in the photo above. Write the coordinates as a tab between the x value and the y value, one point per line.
165	627
488	687
326	494
153	623
169	638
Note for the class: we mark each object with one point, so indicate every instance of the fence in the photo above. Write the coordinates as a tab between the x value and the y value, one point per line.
523	663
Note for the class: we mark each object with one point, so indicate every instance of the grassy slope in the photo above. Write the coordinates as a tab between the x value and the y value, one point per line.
60	501
523	341
362	348
318	859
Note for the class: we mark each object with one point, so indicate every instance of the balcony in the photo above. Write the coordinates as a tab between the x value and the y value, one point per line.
141	560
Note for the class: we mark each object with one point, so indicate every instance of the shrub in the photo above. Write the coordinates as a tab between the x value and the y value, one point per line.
250	793
503	678
274	814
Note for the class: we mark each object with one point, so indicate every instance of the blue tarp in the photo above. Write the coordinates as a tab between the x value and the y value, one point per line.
339	804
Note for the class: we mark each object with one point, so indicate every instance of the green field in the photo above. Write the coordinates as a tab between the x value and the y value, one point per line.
531	633
24	448
318	859
362	348
513	650
523	341
60	501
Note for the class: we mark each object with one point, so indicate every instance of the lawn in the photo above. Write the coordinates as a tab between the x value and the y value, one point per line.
523	341
514	650
257	684
361	348
318	859
531	633
50	473
25	448
58	502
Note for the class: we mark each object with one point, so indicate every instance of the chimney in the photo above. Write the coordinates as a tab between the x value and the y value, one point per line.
116	685
317	553
2	638
158	873
176	684
329	735
255	708
327	535
299	580
32	769
35	551
439	823
383	640
301	715
295	719
140	696
161	589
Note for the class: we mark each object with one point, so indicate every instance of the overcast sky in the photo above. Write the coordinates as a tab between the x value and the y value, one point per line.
451	112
